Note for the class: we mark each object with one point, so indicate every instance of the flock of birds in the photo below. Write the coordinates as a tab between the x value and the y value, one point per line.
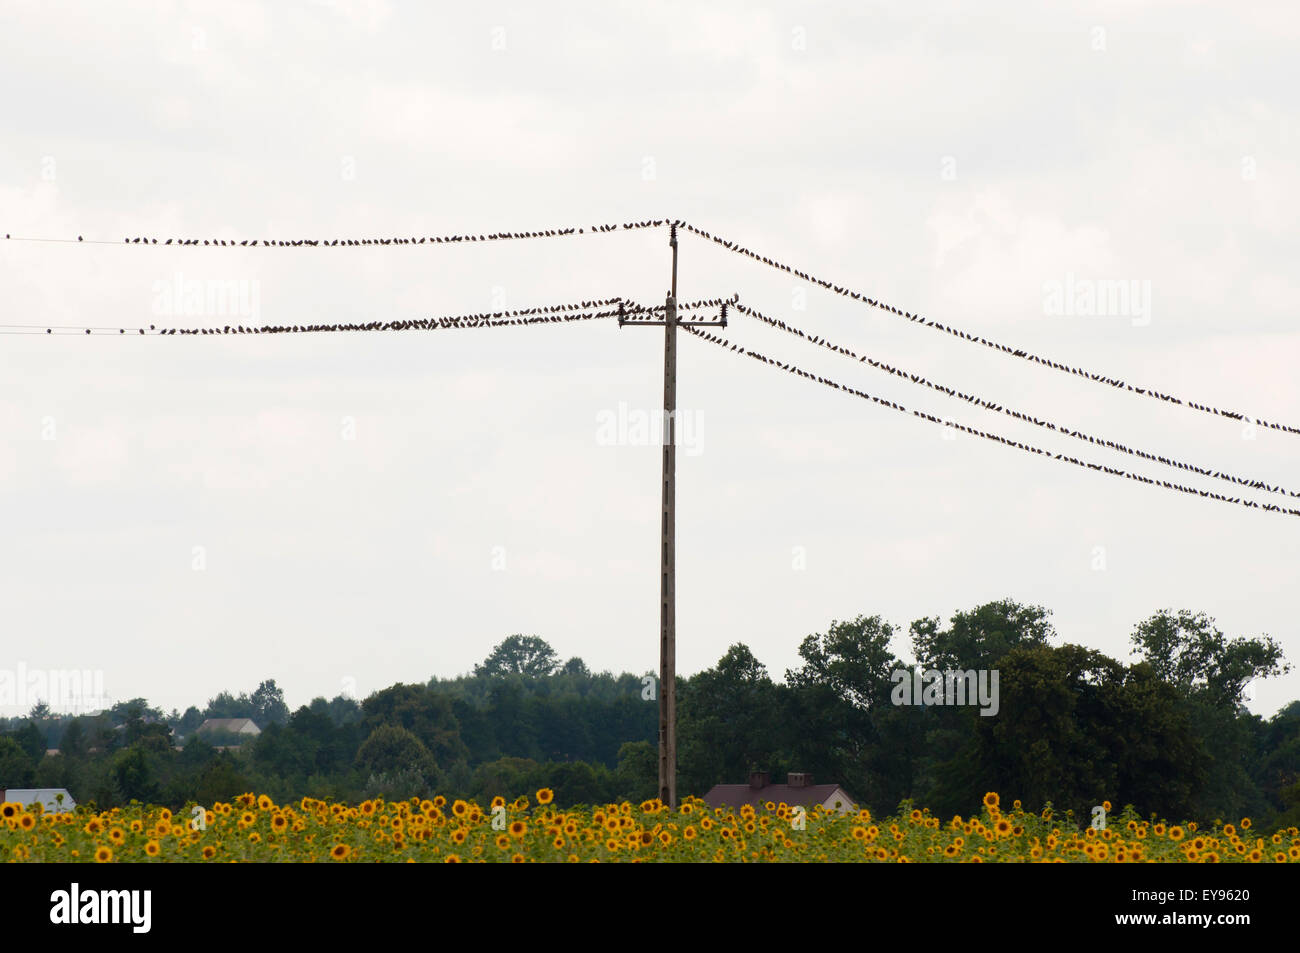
548	314
1014	352
335	242
1114	471
990	405
627	313
738	249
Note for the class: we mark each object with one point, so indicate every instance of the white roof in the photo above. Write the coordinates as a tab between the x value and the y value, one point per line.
47	797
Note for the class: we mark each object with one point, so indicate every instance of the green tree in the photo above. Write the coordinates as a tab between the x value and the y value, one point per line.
1289	815
979	638
32	740
220	779
839	705
507	777
427	715
1211	672
729	722
1161	760
226	705
73	742
1049	740
520	655
636	778
16	766
268	705
392	748
1279	762
1187	650
134	775
577	782
576	667
188	723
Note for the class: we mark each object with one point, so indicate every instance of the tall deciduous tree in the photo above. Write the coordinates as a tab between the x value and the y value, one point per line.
839	703
1188	650
392	749
520	655
730	722
978	638
268	704
425	714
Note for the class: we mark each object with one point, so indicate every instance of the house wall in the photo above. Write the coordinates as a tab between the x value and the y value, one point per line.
839	795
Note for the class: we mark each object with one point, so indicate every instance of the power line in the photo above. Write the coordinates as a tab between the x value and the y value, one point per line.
725	243
549	314
349	242
1006	349
1114	471
1018	415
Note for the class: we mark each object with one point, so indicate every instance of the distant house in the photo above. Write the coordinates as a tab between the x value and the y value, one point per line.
798	790
48	798
243	727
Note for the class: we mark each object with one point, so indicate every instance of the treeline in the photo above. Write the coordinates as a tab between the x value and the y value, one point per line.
521	721
1167	732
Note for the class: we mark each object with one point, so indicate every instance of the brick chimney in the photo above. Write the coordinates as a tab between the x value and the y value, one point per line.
759	780
799	780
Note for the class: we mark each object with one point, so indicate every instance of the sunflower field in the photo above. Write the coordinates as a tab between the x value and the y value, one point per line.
253	828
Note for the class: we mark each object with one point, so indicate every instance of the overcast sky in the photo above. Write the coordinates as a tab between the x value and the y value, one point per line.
341	512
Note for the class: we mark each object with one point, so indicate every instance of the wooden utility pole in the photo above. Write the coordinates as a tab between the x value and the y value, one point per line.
668	524
668	568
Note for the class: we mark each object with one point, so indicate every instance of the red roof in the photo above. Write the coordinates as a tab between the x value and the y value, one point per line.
736	795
